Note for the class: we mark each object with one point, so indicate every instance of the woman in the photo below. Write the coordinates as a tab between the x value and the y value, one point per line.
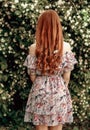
49	64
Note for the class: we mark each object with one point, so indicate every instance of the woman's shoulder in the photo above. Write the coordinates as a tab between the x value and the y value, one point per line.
66	47
32	48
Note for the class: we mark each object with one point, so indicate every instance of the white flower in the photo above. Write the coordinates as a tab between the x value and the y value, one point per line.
55	51
13	6
2	40
16	1
5	34
22	46
24	5
86	43
47	7
85	24
1	30
81	30
4	98
6	5
32	7
9	110
10	48
1	91
60	2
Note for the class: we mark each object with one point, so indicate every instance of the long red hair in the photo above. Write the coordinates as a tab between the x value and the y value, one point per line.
49	42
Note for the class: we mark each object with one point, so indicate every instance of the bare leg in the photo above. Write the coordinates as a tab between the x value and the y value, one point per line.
41	127
58	127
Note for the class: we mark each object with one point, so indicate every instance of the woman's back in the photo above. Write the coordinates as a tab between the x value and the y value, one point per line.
66	48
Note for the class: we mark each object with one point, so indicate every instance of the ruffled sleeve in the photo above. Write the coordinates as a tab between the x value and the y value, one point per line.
30	63
69	61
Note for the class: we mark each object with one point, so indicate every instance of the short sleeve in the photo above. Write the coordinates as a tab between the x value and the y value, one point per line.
69	61
30	63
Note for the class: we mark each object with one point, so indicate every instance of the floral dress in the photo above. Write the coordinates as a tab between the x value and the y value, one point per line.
49	102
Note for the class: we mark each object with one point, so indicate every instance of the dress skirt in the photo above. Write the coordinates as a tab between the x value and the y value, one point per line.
49	102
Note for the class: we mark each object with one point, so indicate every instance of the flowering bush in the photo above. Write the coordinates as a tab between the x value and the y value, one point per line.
17	29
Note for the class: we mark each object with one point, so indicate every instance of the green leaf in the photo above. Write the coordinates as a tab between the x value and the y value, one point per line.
75	128
3	66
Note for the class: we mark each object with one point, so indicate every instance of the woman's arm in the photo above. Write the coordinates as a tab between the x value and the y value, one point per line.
66	77
32	52
32	75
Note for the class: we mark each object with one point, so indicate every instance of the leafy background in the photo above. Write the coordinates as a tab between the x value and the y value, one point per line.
17	28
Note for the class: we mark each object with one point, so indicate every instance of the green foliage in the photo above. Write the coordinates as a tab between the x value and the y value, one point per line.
17	29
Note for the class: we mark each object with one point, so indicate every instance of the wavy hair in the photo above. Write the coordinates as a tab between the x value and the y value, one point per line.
49	42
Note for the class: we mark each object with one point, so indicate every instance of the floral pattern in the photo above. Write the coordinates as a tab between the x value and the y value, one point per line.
49	102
